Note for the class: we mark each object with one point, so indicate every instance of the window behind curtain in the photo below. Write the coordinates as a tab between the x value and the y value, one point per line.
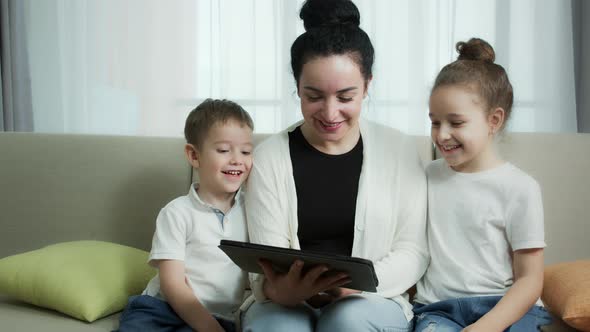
137	67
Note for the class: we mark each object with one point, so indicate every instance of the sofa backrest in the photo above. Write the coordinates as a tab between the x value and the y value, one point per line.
56	188
561	164
66	187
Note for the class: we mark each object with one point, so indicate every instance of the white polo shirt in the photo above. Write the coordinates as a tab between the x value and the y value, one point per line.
189	230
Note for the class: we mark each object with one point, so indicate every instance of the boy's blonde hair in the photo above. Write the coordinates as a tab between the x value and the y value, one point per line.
209	113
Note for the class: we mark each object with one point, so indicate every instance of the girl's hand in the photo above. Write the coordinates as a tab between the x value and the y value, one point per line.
294	287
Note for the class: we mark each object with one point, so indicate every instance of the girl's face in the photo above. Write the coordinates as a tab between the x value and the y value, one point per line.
331	89
461	128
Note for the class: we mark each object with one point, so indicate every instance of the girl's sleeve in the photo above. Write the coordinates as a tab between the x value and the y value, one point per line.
408	257
525	219
266	211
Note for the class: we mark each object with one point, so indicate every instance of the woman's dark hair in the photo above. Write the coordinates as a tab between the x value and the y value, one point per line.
476	69
332	28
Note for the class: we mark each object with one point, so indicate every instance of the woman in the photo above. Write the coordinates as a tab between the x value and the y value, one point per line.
336	183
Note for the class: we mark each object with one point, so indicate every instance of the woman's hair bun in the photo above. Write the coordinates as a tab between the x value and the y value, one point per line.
475	49
318	13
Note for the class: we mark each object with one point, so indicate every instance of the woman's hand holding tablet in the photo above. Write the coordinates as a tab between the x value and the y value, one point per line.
317	272
296	285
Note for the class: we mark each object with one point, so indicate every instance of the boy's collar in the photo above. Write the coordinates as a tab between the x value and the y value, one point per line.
194	195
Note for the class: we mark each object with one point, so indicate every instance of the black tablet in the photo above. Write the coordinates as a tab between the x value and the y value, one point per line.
246	256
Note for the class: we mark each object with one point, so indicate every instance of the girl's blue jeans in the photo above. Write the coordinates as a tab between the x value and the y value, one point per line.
456	314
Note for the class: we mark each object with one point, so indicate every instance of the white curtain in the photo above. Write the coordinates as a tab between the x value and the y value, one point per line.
138	67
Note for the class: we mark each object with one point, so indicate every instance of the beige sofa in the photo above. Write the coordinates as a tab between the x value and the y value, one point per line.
56	188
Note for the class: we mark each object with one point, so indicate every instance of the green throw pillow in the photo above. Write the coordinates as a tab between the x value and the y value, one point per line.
83	279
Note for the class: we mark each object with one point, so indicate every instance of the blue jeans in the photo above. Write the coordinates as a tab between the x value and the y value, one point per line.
145	313
354	313
456	314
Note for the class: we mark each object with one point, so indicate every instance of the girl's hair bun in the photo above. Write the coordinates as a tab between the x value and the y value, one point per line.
476	49
319	13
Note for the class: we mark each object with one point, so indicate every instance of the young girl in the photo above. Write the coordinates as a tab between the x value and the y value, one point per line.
485	228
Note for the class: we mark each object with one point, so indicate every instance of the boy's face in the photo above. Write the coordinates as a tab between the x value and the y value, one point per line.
224	159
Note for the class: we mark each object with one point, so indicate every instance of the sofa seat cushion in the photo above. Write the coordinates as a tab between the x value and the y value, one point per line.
17	316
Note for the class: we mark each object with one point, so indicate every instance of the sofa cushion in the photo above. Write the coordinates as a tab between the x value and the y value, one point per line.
83	279
566	292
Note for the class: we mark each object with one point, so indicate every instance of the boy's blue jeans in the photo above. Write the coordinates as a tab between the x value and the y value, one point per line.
456	314
146	313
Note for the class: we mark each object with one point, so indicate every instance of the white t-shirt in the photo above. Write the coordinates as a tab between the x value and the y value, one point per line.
189	230
476	221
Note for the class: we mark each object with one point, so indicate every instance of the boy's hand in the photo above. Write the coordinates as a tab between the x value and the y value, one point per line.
294	287
214	327
179	294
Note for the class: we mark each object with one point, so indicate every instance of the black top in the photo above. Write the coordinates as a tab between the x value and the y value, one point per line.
327	187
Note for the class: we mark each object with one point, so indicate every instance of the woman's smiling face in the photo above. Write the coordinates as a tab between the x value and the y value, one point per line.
331	89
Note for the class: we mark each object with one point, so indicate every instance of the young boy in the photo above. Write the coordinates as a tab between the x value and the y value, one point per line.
198	287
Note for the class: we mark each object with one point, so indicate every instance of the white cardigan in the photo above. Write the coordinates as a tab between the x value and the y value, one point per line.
390	220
